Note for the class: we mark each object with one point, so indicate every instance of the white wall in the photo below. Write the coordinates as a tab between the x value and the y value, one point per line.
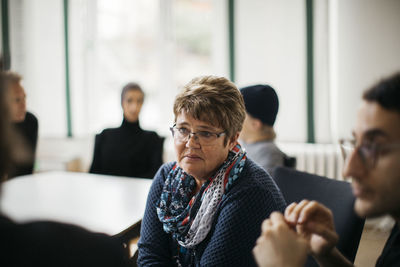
365	46
271	48
356	43
37	49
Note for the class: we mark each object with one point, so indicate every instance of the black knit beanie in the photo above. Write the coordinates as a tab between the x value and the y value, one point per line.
261	102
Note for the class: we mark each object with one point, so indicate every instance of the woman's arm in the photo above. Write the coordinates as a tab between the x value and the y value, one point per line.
154	243
96	162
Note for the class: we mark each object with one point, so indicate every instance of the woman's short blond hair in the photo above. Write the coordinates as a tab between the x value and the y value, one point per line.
214	100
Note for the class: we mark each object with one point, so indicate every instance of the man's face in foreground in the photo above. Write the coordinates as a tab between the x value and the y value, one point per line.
375	166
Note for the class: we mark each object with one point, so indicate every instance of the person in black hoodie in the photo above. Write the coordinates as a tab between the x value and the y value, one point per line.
24	122
128	150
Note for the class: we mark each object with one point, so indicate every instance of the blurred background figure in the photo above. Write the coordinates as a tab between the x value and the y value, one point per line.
44	243
258	133
128	150
25	125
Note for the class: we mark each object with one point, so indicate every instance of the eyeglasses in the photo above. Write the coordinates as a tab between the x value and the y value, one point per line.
368	152
204	138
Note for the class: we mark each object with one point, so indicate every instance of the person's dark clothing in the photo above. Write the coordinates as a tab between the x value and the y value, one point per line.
56	244
127	151
28	129
391	252
234	230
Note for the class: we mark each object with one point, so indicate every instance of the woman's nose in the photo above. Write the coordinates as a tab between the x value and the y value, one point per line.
192	141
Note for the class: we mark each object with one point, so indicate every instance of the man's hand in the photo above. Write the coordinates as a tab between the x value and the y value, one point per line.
315	223
279	245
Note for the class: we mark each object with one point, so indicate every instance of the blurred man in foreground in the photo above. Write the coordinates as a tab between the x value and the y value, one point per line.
373	163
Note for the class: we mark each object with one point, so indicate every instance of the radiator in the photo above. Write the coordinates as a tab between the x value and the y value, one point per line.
321	159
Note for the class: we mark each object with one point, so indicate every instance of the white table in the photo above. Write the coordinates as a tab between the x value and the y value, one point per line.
100	203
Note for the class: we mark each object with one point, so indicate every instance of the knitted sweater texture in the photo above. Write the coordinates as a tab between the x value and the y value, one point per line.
236	226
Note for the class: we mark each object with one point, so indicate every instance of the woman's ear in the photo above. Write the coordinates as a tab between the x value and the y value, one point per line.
233	141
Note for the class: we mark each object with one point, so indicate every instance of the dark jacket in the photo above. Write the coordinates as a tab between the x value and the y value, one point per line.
28	130
236	226
127	151
56	244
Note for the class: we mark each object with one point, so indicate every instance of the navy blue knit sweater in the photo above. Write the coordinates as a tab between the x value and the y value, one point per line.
235	229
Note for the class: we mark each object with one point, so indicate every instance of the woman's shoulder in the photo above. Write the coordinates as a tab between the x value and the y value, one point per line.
108	131
159	179
254	190
152	135
252	172
163	171
166	167
255	179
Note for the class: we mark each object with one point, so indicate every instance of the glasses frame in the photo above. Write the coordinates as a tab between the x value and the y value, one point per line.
368	161
197	138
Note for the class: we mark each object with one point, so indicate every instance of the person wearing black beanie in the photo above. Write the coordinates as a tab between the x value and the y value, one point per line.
258	135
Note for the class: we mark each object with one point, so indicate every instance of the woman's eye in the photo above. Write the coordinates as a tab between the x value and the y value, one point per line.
205	134
183	130
368	149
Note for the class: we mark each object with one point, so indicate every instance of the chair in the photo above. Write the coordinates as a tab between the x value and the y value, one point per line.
336	195
129	238
289	161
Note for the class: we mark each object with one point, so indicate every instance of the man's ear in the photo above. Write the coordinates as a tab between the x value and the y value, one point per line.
257	124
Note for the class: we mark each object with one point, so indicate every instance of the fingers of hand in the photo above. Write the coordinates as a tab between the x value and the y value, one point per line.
292	214
277	217
274	224
290	208
266	225
322	230
315	211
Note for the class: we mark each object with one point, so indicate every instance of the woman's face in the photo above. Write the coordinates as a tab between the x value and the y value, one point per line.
18	102
131	104
200	161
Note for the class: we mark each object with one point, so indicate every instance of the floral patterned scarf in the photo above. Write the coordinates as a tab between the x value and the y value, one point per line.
189	218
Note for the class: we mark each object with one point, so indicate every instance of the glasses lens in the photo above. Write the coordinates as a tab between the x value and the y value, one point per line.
347	148
367	154
203	137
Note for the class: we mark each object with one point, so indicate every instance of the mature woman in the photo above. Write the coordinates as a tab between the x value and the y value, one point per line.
206	209
128	150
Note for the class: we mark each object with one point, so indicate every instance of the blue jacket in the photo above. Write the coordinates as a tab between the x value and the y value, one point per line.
235	229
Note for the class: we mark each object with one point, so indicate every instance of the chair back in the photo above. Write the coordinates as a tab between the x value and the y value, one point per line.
289	161
336	195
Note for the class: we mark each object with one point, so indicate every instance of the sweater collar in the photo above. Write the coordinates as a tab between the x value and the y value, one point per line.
131	126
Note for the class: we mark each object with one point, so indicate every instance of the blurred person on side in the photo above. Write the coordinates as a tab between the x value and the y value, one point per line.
258	133
25	124
128	150
206	208
44	243
372	161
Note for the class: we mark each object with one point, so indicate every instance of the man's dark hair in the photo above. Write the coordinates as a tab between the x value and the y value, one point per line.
130	86
386	93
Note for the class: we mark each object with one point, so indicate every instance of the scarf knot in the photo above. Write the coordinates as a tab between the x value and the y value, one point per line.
189	218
